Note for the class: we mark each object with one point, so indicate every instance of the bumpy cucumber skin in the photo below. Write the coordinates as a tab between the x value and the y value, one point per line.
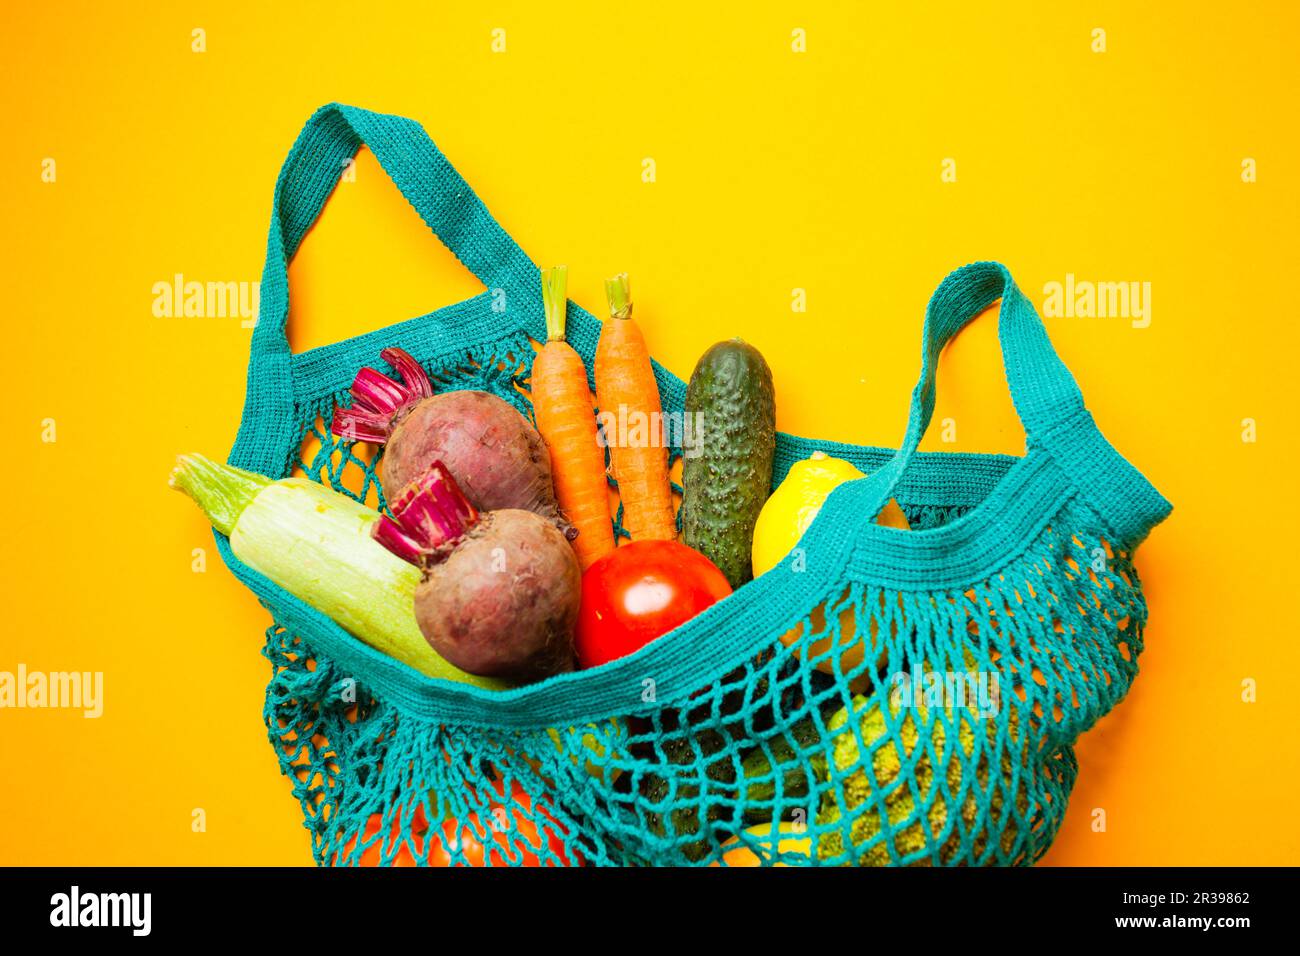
725	485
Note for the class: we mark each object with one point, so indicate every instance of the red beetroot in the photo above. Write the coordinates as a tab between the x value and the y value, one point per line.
500	592
495	455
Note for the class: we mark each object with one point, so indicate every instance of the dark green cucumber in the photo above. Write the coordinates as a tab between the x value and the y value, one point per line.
790	751
727	471
682	768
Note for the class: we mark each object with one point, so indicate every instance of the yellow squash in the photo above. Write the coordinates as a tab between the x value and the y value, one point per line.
792	507
785	517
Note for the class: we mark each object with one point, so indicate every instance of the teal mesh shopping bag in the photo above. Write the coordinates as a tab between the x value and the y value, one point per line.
883	696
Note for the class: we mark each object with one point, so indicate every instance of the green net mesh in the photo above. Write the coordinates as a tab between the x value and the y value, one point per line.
885	727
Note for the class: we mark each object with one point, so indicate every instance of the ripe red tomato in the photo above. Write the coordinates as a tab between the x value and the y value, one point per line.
641	591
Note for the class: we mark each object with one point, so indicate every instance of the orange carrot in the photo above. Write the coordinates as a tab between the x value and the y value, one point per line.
566	421
628	397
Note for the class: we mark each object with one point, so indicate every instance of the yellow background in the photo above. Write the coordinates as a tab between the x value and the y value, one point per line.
775	170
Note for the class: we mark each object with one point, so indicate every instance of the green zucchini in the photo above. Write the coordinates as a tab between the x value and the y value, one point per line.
316	544
727	468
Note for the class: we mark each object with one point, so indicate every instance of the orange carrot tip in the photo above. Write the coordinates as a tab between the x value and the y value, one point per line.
618	291
555	283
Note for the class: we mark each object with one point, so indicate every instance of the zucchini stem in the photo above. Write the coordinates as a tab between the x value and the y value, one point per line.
221	491
555	283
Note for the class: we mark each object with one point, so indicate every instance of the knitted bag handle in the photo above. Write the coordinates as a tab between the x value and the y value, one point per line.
314	166
1042	389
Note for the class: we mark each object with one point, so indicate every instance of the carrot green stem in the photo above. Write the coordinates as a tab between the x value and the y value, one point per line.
555	297
222	491
619	293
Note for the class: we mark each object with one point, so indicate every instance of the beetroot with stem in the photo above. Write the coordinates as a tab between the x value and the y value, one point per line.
500	590
496	456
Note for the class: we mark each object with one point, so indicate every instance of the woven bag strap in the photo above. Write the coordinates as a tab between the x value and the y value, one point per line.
439	194
1043	390
313	168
